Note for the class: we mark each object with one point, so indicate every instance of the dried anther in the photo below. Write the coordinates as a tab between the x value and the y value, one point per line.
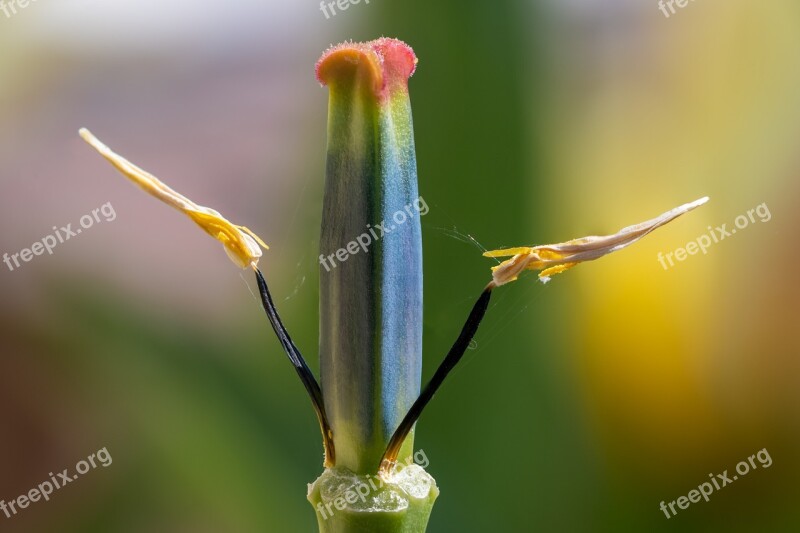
241	244
556	258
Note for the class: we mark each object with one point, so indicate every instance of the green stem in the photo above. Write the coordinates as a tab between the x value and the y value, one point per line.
370	252
345	502
370	291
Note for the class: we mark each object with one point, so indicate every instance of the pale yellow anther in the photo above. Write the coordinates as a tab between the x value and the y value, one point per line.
241	244
556	258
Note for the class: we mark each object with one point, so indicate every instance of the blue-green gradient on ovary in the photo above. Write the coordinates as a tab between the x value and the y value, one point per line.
371	301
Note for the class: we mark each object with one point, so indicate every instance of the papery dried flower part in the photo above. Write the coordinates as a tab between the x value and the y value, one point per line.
556	258
241	244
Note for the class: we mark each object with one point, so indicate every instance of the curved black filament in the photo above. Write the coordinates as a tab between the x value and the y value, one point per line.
451	359
300	366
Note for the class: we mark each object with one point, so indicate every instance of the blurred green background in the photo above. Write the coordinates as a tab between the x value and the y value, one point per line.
584	403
